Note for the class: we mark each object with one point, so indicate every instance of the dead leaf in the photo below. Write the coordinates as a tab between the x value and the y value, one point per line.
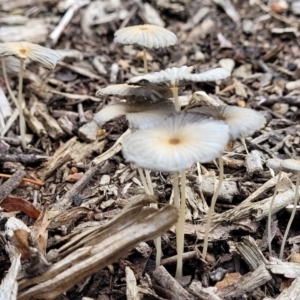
229	279
20	239
74	177
286	284
19	204
295	257
39	230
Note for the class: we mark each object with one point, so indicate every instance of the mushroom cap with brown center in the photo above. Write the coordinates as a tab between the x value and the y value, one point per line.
149	36
242	122
47	57
177	143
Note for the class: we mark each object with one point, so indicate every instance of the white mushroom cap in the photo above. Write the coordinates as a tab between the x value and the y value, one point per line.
242	122
45	56
177	77
176	143
291	164
140	115
12	64
134	92
149	36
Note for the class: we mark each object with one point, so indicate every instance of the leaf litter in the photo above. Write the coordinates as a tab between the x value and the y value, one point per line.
87	196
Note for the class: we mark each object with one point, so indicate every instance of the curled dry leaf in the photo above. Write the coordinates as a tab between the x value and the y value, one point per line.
18	204
229	279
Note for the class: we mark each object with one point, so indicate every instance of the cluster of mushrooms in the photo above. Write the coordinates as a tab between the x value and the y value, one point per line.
165	138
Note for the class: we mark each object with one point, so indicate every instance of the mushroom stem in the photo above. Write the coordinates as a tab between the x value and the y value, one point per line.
175	96
176	190
244	144
270	214
157	241
22	123
180	228
145	60
212	207
143	179
291	217
149	181
11	94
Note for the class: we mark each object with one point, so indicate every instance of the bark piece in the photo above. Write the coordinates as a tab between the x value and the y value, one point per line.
254	163
292	292
246	284
9	285
166	281
227	192
251	253
9	185
131	287
103	249
288	269
88	132
53	128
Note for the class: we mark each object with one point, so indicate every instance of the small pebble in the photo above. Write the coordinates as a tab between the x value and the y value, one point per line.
76	199
218	274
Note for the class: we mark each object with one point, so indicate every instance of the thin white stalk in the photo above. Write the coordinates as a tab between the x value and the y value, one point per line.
270	214
176	99
176	190
145	61
245	146
157	240
199	173
22	123
180	228
212	207
291	217
11	94
143	179
149	181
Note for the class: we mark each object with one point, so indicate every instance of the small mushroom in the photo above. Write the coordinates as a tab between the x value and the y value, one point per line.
140	115
291	165
242	122
24	50
174	146
134	93
173	78
147	36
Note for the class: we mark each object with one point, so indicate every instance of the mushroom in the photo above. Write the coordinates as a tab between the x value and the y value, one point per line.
140	115
273	164
134	93
291	165
24	50
173	146
147	36
173	78
242	122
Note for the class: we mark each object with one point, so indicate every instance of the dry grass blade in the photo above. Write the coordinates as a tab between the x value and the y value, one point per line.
87	260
